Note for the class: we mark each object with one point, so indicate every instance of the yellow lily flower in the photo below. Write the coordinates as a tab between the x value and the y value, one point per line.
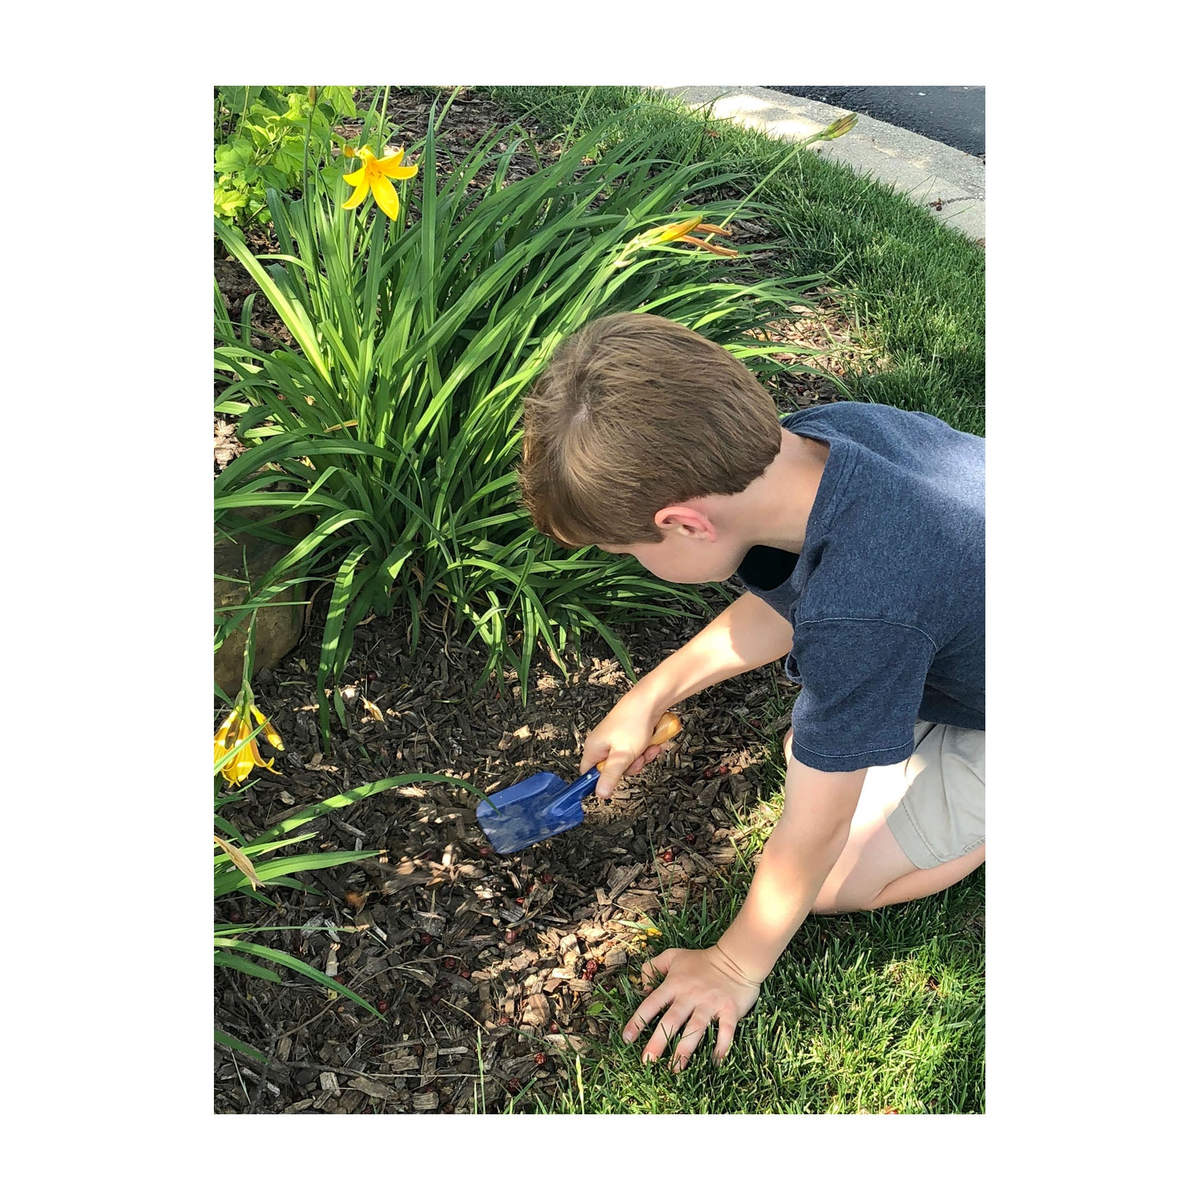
242	763
236	729
668	233
679	231
267	728
373	176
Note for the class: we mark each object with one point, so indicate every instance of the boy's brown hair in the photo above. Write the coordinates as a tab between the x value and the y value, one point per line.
635	413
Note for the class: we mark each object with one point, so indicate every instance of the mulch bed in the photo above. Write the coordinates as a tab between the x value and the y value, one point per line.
466	951
484	966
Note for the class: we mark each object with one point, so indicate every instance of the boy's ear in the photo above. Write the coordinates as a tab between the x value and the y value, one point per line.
682	519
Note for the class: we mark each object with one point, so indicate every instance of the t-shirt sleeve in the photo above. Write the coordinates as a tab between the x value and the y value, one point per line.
861	684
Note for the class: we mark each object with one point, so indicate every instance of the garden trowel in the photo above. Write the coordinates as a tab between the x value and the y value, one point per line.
544	804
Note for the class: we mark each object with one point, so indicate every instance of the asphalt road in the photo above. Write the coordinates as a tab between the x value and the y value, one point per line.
953	115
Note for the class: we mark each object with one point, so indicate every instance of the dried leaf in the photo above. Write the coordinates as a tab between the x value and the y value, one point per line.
240	861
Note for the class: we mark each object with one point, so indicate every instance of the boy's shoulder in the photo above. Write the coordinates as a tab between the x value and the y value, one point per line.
892	452
901	504
861	418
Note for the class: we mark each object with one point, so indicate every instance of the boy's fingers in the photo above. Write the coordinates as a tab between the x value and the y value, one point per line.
724	1036
614	768
672	1021
643	760
607	783
645	1012
686	1046
635	1026
589	759
655	968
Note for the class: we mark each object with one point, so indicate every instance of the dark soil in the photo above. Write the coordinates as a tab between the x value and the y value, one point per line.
484	966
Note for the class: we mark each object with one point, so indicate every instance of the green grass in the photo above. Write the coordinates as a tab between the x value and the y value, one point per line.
848	1022
918	286
864	1012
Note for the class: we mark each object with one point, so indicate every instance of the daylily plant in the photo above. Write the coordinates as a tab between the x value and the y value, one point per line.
237	730
374	176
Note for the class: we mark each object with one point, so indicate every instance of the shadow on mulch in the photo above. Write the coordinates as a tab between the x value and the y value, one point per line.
483	965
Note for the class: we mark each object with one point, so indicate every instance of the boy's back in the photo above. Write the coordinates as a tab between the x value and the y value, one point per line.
886	597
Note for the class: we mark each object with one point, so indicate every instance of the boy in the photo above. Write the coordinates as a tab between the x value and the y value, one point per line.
858	532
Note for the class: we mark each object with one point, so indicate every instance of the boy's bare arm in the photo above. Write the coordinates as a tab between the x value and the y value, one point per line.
748	634
721	983
802	849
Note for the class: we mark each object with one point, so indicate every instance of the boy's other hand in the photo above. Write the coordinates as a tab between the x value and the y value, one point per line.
700	987
623	739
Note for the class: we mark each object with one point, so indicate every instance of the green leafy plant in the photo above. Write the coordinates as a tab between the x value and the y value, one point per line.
249	867
263	138
391	413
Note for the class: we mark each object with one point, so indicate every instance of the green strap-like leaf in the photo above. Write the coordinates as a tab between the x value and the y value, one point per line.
227	1039
286	960
223	958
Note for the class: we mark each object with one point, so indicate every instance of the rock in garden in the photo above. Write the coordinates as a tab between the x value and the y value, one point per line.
278	624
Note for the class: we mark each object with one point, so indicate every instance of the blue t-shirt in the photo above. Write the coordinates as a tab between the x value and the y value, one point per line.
886	597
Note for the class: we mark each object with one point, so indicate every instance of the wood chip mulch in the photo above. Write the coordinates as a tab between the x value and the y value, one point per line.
469	953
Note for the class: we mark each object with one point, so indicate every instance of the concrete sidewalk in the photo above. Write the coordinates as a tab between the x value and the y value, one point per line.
946	181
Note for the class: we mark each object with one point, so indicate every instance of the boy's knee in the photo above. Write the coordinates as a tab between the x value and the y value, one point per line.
830	903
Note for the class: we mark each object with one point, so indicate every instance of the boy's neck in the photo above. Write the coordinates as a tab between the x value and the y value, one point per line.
774	509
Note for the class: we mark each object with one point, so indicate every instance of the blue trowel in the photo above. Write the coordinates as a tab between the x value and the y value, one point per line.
545	804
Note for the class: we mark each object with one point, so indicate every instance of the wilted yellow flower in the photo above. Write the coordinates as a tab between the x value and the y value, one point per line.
680	231
373	176
668	233
236	730
708	245
642	930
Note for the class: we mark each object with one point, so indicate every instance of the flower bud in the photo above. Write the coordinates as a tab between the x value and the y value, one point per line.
840	126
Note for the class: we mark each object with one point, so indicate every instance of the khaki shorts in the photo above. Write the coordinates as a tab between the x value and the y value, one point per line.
940	814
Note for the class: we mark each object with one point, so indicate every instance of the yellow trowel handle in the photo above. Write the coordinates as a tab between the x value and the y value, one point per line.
668	726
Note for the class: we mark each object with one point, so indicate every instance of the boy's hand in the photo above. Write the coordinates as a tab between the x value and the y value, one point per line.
623	738
701	986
